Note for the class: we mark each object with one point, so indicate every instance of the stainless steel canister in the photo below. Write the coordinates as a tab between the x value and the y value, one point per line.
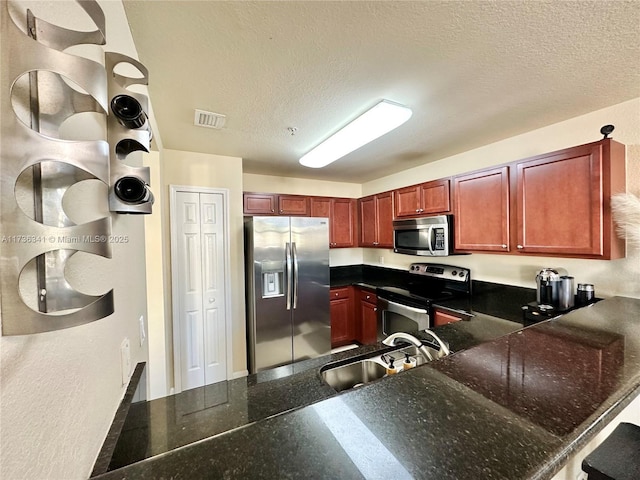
586	294
566	295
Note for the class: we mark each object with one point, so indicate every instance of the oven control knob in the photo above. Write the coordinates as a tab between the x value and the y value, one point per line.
454	273
461	274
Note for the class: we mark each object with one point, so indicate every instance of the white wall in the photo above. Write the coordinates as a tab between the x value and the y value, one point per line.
60	390
200	170
299	186
615	277
158	367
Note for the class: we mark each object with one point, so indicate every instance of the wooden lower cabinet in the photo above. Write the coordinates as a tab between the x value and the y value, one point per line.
443	317
368	316
354	315
341	310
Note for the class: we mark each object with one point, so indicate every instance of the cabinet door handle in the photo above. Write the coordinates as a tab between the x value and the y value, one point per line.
504	245
375	309
417	210
520	247
272	210
368	297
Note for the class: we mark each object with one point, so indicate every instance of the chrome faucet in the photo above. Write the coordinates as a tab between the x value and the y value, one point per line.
391	341
444	349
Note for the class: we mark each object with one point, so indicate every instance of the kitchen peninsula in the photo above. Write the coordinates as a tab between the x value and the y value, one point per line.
518	406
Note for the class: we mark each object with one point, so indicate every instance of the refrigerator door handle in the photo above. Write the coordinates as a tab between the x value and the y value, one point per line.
287	254
294	252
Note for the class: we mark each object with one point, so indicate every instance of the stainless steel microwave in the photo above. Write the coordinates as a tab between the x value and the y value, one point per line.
427	236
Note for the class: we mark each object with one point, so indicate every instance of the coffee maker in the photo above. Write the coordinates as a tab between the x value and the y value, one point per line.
554	295
548	284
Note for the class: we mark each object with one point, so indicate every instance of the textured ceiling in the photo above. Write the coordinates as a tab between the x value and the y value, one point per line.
473	72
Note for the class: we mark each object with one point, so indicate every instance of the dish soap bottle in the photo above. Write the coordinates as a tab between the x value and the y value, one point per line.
390	368
408	362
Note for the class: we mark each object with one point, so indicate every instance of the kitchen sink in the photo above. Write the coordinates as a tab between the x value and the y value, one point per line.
358	372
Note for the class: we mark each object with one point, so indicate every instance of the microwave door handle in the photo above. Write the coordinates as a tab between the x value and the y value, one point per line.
429	236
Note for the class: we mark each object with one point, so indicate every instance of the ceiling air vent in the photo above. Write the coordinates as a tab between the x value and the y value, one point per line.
209	119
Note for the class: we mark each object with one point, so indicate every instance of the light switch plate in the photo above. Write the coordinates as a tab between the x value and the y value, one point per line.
125	360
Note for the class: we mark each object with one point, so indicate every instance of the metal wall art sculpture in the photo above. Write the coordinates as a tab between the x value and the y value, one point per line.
43	86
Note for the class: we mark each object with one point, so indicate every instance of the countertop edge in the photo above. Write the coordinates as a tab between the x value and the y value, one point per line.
574	445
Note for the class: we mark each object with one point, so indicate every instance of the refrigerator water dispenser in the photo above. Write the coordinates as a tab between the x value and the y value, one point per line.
272	279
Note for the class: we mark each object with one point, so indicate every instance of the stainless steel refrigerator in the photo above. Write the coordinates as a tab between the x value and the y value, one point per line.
287	288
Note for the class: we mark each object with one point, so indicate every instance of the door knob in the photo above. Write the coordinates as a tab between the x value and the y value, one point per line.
211	300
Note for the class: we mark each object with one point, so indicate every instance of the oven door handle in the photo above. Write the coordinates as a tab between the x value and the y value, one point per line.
400	306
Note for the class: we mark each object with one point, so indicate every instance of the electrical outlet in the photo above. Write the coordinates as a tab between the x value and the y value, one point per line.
381	260
143	333
125	360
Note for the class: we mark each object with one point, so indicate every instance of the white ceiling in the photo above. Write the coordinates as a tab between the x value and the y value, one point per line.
473	72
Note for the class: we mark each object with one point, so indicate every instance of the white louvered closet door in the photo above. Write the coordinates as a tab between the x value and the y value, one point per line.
201	288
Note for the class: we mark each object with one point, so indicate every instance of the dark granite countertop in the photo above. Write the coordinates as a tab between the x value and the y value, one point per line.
512	406
493	299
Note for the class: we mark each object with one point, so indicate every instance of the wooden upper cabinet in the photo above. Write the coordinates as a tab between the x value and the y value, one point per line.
321	207
275	204
368	235
425	199
343	227
342	214
293	205
562	201
259	203
407	201
376	220
385	219
481	210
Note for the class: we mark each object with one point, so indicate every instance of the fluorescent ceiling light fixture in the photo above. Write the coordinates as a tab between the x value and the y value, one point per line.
374	123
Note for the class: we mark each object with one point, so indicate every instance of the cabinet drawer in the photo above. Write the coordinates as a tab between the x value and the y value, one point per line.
443	316
338	293
367	296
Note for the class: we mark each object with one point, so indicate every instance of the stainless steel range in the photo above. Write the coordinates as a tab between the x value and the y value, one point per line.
410	309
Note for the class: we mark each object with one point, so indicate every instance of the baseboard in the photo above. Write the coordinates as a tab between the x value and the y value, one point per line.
240	374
